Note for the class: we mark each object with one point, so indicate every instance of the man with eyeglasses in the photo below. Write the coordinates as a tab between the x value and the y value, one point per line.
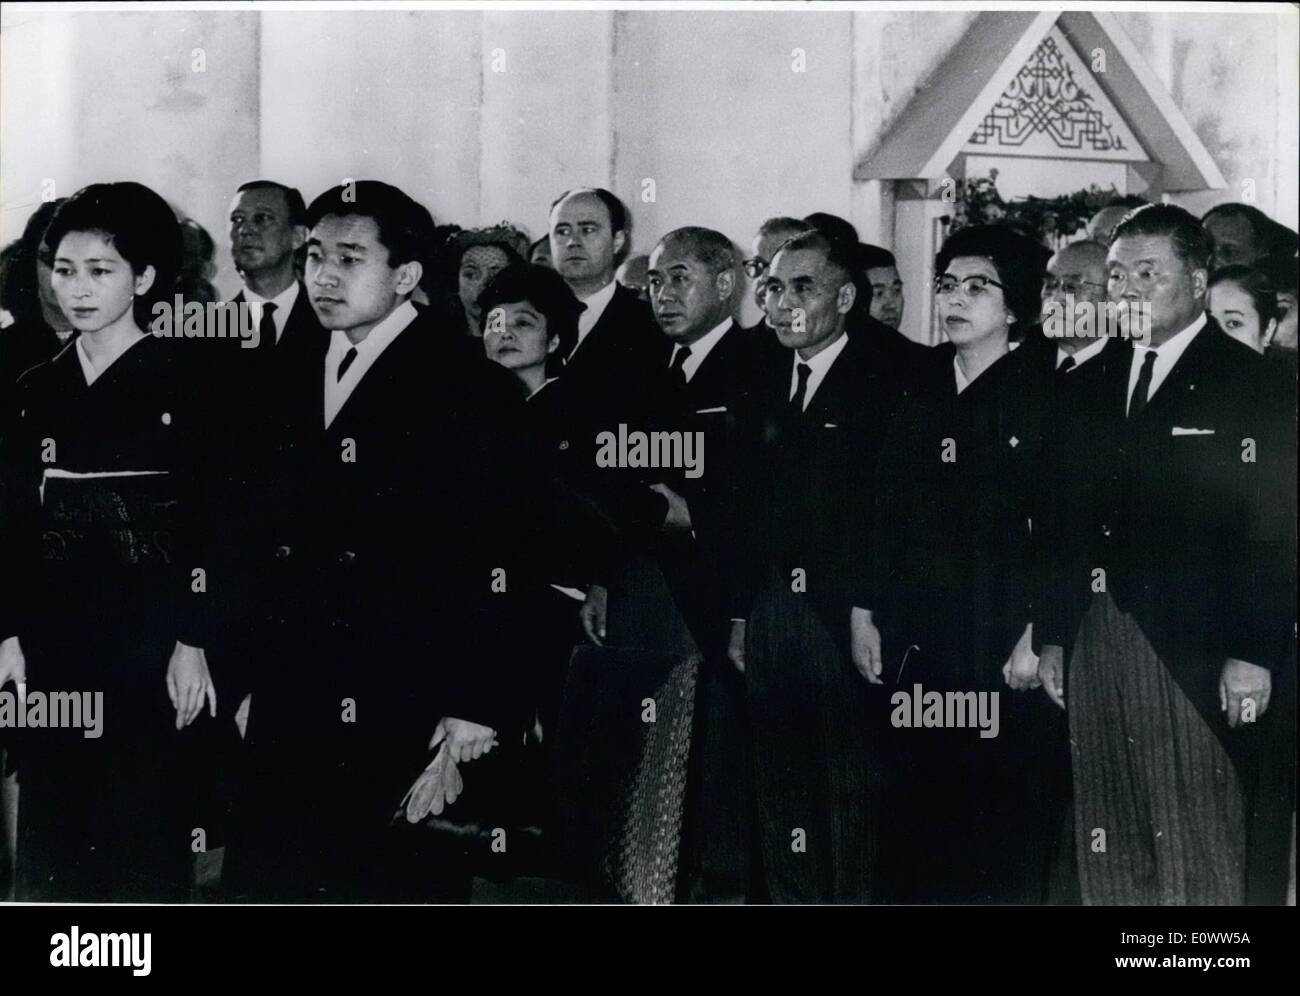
1075	281
770	235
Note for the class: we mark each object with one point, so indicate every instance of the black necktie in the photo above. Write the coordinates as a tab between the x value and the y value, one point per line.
346	362
1139	399
266	328
678	366
1066	366
801	391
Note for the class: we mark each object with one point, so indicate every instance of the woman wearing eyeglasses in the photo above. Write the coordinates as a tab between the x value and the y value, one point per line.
949	593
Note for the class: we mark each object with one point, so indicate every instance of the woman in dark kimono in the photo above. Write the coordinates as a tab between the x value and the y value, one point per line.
529	320
102	593
953	581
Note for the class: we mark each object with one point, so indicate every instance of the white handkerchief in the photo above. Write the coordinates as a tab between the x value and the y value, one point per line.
830	425
1180	431
710	411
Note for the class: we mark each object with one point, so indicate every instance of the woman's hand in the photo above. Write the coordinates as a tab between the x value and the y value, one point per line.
13	666
189	683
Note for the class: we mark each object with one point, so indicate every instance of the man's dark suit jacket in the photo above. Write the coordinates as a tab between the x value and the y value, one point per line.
249	387
715	403
302	326
1084	401
378	537
809	478
1182	519
610	379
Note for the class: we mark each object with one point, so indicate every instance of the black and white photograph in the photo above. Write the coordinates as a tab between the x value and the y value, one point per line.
606	453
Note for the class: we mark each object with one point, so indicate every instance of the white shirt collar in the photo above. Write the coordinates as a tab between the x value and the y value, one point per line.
87	369
964	382
820	364
284	302
1167	357
542	387
596	305
1081	356
338	390
700	348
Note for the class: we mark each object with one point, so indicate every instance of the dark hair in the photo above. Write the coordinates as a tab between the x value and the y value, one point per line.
782	223
546	291
1126	201
20	292
1282	271
1256	284
1271	238
545	240
871	257
619	219
1190	241
1020	263
292	198
833	227
711	248
843	256
405	225
139	224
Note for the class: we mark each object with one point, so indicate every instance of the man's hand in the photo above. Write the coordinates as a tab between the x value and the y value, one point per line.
678	519
1242	683
13	665
595	609
465	740
189	683
865	640
1051	672
736	645
1021	669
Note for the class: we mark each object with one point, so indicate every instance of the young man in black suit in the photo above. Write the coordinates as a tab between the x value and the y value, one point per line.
383	520
1186	612
819	422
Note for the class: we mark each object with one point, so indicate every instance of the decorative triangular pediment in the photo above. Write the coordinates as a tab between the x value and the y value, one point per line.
1053	107
1017	84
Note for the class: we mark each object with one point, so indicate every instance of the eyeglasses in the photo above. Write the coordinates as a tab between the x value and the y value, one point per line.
973	286
1051	285
755	267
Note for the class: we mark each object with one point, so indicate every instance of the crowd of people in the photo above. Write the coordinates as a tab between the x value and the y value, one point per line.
1007	619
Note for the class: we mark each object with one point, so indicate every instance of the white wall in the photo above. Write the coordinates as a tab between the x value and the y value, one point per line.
706	104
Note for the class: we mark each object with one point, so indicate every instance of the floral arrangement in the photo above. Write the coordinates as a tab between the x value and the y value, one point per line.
1051	220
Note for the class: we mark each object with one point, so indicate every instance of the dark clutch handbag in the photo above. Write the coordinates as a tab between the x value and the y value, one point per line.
111	518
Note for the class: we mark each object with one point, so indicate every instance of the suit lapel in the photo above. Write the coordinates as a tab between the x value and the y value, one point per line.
1177	389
